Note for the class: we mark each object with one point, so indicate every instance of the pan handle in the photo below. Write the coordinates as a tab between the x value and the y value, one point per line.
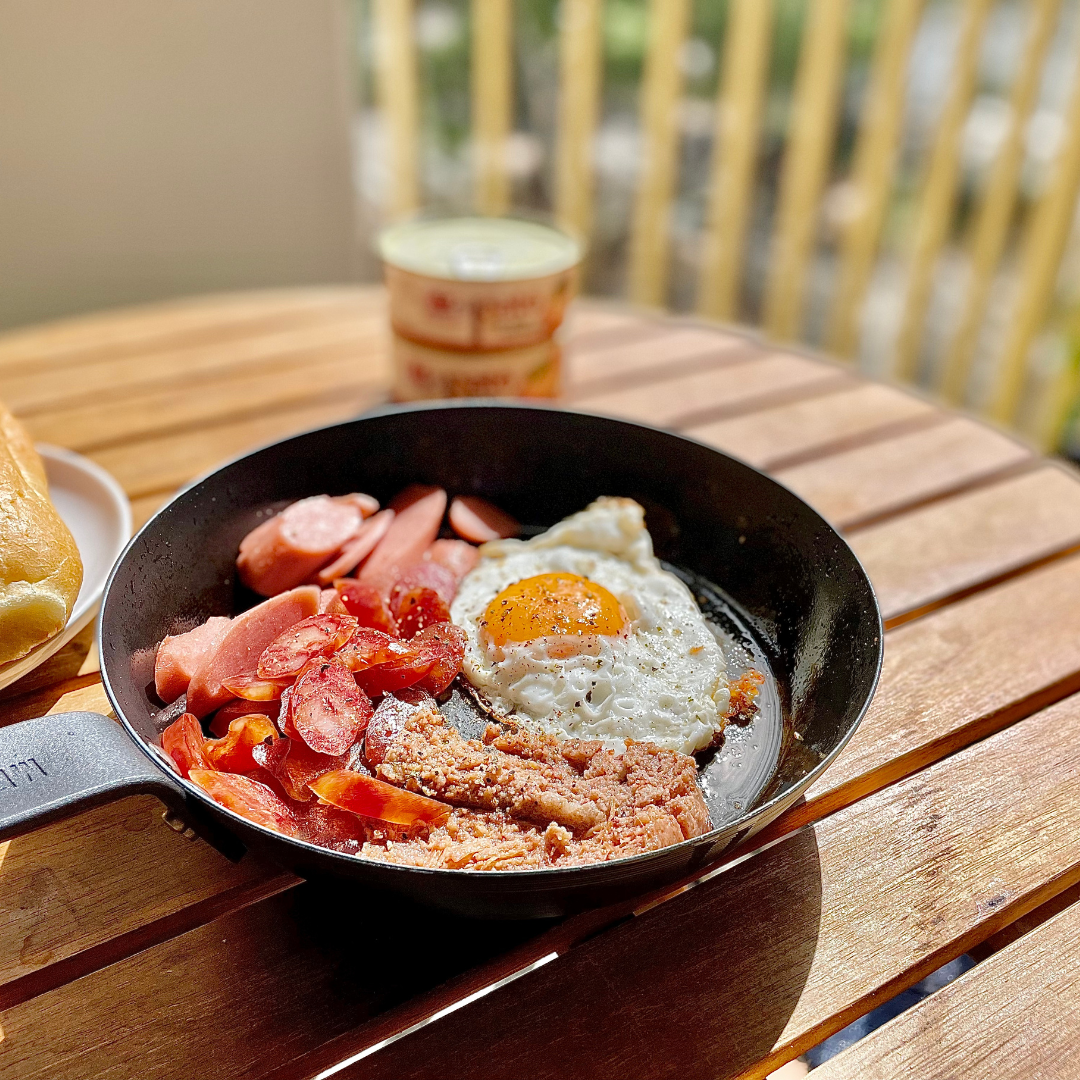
57	766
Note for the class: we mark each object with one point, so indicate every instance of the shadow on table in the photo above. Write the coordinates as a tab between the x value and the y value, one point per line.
699	986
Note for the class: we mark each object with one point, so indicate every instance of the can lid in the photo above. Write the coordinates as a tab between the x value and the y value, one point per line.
478	249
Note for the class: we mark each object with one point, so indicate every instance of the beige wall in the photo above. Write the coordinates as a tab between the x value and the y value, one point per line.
154	148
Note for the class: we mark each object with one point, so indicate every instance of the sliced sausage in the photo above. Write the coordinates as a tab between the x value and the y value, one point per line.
359	547
366	504
457	556
409	536
411	494
179	655
478	520
289	548
243	643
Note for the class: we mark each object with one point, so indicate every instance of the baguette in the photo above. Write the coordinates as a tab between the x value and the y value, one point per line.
40	567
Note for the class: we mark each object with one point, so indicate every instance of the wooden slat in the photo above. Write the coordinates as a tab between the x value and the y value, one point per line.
935	211
995	210
1043	245
811	130
817	426
661	87
580	62
115	874
853	487
112	378
492	102
664	355
256	390
871	180
738	387
1017	1014
944	549
398	97
160	465
766	959
154	327
734	157
945	684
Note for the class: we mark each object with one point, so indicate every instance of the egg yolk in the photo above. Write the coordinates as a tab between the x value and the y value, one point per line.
553	605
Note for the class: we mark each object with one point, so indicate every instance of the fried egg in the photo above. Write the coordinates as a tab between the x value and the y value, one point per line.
580	632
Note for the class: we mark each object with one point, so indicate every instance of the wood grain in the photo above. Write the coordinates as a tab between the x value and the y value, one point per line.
1017	1014
959	674
735	388
397	89
817	426
942	550
160	465
767	958
112	377
322	375
491	91
590	369
150	327
855	486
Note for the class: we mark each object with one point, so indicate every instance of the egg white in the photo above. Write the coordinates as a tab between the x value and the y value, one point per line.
664	681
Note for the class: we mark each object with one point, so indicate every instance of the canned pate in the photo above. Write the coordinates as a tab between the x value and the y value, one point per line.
421	371
478	284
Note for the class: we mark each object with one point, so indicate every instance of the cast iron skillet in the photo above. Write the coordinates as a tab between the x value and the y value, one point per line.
792	578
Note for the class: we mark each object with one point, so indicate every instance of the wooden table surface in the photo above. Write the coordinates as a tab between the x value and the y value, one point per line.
950	824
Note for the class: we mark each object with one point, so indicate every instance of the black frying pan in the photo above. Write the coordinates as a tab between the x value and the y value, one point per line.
787	583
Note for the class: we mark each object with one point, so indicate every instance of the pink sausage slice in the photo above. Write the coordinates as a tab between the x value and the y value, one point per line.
179	655
243	643
366	504
409	536
477	520
289	548
457	556
359	548
411	494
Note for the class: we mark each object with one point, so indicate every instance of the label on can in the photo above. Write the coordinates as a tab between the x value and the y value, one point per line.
477	315
423	372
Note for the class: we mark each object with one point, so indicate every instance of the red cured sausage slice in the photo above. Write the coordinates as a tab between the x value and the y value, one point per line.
185	743
478	520
294	765
367	604
180	654
233	752
289	548
330	603
409	536
359	548
369	797
249	799
243	643
219	724
319	635
326	709
457	556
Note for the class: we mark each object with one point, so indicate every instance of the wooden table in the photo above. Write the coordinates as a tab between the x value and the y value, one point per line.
950	824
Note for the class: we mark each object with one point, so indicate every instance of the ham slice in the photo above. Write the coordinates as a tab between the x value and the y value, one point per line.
289	548
179	655
409	536
243	643
359	548
457	556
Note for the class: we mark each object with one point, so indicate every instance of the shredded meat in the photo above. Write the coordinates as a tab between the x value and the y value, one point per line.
524	799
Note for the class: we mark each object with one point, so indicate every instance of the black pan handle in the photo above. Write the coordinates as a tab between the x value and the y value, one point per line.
58	766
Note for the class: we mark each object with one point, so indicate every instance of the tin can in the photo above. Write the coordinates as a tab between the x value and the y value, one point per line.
480	299
421	371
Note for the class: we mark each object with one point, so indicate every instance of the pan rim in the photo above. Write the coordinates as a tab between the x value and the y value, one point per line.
556	875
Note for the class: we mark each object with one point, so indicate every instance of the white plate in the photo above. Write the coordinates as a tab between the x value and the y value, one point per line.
96	510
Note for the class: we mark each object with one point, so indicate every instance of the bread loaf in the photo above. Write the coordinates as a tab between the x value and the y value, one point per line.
40	568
